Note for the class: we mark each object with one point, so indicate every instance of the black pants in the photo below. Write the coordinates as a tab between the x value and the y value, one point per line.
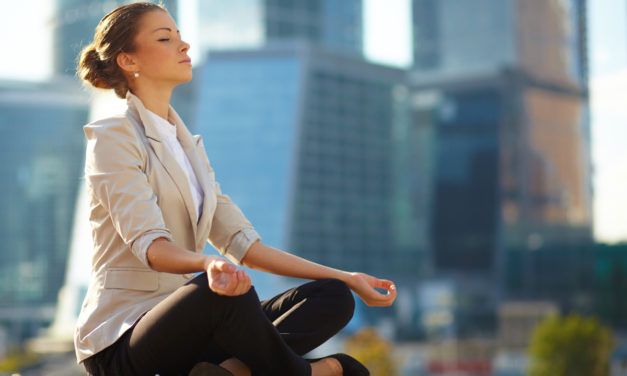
195	324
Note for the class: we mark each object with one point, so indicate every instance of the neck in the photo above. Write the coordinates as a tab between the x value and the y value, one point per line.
154	99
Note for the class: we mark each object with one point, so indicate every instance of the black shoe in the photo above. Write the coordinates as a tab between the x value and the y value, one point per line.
350	365
208	369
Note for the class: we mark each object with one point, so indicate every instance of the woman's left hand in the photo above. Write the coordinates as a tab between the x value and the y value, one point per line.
364	286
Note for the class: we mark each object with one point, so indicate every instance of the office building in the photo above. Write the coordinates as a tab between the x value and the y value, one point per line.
545	39
301	139
43	154
330	24
499	89
505	94
587	279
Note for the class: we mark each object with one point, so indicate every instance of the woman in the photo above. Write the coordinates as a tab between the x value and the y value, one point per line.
154	203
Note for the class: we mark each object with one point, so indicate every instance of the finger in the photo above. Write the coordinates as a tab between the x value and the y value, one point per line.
390	291
241	282
242	277
229	283
387	299
236	287
377	299
383	284
220	285
244	285
371	297
224	266
237	280
221	282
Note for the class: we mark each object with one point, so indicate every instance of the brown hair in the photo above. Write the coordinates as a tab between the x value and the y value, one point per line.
115	33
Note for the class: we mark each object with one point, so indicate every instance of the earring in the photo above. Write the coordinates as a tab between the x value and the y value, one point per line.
136	74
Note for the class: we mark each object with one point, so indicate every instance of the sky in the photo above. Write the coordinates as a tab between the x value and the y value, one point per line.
608	112
27	57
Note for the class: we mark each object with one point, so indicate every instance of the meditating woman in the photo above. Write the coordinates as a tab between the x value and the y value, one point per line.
154	203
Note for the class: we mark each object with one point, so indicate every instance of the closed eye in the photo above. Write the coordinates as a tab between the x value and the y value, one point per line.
164	39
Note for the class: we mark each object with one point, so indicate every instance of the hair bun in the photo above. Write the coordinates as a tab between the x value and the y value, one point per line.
91	68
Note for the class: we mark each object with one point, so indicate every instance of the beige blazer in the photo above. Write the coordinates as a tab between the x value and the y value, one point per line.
138	192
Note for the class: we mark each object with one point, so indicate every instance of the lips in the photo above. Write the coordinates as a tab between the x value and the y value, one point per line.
186	61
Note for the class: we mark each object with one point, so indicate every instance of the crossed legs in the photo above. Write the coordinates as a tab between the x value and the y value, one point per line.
194	324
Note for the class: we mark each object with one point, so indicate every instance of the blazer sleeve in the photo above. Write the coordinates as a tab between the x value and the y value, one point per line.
231	233
114	169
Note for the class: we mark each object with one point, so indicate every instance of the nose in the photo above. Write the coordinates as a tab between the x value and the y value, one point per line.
184	46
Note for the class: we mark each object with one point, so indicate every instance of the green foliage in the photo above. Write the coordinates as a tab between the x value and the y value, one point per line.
570	346
17	360
373	351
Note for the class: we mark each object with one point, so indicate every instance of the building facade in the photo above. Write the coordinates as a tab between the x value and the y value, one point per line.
43	154
331	24
511	125
301	139
504	95
545	39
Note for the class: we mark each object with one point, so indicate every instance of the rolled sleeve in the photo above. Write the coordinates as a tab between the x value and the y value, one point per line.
231	233
140	246
240	244
114	171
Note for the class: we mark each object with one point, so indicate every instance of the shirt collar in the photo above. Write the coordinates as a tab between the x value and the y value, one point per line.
164	127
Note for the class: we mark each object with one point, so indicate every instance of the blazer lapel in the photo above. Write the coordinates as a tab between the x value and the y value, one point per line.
201	169
167	160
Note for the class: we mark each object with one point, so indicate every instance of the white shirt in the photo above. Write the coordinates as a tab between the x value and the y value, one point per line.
167	131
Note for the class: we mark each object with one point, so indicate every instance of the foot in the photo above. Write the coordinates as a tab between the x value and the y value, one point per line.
348	366
208	369
236	367
326	367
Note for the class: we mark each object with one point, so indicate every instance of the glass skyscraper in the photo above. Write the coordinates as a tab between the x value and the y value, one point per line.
332	24
308	138
510	121
287	101
42	153
343	181
301	139
545	39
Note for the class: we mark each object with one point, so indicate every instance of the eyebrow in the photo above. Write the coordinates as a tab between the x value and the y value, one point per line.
166	28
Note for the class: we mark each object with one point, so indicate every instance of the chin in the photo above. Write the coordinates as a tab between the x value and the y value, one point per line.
185	78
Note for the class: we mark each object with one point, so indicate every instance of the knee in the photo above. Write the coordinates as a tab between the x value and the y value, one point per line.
341	298
243	303
201	289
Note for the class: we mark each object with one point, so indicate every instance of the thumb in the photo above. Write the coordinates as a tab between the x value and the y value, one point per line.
223	266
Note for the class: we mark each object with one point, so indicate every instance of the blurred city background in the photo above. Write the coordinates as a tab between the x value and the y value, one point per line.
472	151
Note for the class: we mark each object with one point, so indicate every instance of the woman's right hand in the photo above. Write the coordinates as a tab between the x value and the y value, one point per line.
225	279
364	286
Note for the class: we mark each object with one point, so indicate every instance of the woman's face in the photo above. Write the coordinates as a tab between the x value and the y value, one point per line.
161	54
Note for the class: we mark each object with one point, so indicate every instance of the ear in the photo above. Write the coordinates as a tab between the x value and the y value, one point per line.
127	63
